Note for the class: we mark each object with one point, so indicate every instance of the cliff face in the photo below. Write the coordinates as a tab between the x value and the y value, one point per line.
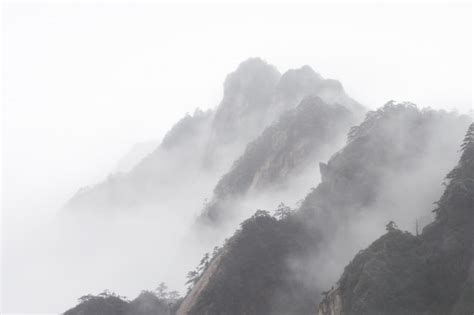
198	288
281	266
332	303
256	94
248	99
373	266
427	274
283	151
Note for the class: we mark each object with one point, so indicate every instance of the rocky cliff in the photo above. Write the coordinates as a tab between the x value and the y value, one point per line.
431	273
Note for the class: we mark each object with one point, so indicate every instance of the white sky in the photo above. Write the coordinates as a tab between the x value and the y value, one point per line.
83	82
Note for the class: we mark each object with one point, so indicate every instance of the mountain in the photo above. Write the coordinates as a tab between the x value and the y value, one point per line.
295	84
283	153
248	97
201	147
256	94
151	179
136	154
106	303
431	273
281	265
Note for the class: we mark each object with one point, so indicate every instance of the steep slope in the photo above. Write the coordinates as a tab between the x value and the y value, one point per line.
136	154
202	146
281	266
427	274
248	97
256	94
161	194
249	277
189	149
146	183
285	150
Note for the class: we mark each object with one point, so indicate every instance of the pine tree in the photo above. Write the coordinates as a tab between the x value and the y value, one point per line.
391	226
469	138
282	211
161	291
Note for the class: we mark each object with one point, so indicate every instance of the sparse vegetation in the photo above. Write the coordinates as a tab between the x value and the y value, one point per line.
429	274
158	302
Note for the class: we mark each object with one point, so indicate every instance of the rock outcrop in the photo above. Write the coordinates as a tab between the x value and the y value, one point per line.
285	149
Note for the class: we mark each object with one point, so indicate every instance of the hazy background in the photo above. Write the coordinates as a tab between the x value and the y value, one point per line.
82	83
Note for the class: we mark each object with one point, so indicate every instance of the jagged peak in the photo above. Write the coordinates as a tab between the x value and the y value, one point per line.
306	81
304	72
248	73
248	96
303	80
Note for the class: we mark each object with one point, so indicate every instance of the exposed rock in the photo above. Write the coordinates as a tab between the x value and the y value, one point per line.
284	150
198	288
332	303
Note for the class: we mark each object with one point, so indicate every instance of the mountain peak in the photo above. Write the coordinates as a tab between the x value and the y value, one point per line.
251	74
248	96
302	81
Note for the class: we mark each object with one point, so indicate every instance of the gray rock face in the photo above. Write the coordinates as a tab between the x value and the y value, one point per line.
284	150
247	101
332	303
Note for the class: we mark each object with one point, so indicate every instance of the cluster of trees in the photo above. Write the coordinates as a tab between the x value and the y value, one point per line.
391	226
160	301
430	273
104	294
249	278
162	292
193	276
282	211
